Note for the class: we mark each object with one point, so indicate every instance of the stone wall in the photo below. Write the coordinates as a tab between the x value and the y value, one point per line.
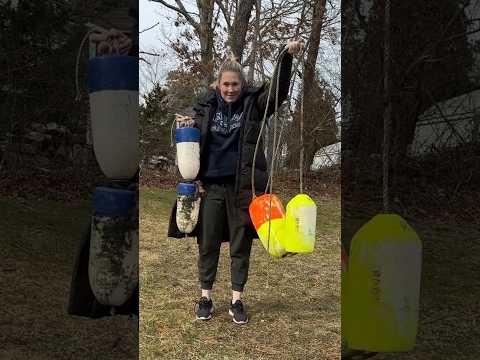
46	146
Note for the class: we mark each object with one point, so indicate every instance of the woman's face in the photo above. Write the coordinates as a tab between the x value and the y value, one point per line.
230	86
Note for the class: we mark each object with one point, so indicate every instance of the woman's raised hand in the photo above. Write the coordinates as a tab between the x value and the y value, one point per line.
294	47
184	121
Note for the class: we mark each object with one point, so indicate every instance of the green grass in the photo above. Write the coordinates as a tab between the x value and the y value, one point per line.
40	240
46	228
293	302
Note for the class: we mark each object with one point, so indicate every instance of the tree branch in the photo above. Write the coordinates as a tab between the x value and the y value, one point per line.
225	13
181	10
215	21
150	28
432	45
465	33
142	59
149	53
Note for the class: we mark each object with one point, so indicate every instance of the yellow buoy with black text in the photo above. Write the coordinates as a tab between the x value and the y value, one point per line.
382	286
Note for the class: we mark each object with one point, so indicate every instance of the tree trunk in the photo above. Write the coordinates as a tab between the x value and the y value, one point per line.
205	9
308	84
237	37
427	57
314	44
256	40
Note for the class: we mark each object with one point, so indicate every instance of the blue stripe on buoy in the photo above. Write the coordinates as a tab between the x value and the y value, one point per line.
113	73
113	202
186	189
187	134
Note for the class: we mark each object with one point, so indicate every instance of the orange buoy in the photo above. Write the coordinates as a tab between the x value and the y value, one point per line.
269	223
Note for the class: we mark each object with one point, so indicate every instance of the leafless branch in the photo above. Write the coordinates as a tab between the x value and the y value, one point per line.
181	10
215	20
432	45
465	33
225	13
149	28
144	60
149	53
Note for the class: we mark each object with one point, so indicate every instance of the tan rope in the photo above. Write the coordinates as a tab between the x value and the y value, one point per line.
387	116
301	129
110	42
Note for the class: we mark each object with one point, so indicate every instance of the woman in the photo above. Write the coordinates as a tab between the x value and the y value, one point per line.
229	120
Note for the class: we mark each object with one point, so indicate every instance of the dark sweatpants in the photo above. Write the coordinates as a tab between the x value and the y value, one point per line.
223	221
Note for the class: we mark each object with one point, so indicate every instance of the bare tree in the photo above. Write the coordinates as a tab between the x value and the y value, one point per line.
314	116
152	72
203	28
430	62
271	26
255	41
314	44
237	36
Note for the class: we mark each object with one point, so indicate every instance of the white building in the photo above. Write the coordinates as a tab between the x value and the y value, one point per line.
327	156
448	124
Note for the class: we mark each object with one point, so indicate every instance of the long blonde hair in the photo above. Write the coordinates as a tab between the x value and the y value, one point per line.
232	65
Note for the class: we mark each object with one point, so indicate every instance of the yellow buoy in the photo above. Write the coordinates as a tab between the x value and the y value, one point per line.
300	222
343	295
382	286
272	241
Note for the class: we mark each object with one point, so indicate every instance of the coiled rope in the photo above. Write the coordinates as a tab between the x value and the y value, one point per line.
109	42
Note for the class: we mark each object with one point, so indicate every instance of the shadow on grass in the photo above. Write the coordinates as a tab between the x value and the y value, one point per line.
39	242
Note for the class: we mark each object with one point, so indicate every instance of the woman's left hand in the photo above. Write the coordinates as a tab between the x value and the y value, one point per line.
294	47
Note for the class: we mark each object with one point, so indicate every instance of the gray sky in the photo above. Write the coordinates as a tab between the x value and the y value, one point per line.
155	40
150	14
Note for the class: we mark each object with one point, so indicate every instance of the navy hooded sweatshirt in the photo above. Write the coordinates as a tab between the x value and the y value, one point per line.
220	157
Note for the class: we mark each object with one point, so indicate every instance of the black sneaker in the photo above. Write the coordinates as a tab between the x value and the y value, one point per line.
239	315
204	309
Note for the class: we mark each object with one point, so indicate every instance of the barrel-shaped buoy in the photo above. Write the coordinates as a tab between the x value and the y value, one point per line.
269	223
113	93
382	286
188	151
113	258
188	207
300	221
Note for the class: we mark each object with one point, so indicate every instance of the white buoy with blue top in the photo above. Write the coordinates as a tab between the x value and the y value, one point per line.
113	87
188	151
188	207
113	259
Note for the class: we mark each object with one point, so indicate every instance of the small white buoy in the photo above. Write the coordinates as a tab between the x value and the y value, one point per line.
113	87
188	151
188	207
113	258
